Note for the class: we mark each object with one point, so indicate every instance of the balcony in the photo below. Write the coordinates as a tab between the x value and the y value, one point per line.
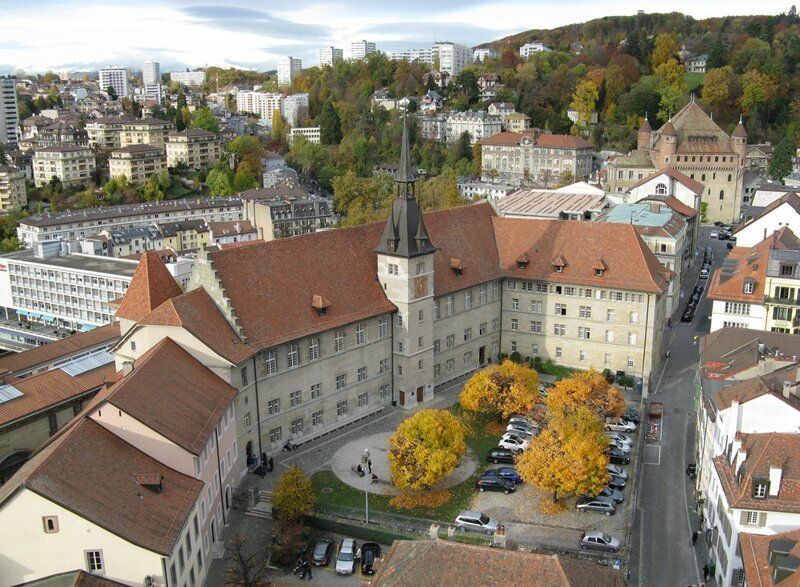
775	301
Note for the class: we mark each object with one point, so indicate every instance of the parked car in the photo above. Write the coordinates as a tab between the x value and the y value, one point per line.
618	471
597	540
509	473
603	505
475	522
714	234
615	494
519	435
730	245
521	427
620	437
631	415
346	561
616	482
618	457
370	552
500	455
525	421
322	551
621	425
704	273
516	444
619	446
494	483
688	314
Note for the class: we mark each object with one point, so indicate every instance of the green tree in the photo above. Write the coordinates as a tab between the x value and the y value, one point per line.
220	182
112	93
329	125
504	389
293	496
203	118
244	180
426	448
111	187
781	163
757	90
152	190
131	107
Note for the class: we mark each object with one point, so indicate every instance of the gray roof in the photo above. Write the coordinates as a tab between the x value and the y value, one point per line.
82	263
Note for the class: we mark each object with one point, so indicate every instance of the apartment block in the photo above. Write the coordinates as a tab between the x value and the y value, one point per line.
137	162
193	147
13	195
479	125
453	57
146	131
9	114
114	77
311	133
286	211
151	73
329	56
188	78
360	49
69	163
532	48
295	108
105	133
288	67
265	104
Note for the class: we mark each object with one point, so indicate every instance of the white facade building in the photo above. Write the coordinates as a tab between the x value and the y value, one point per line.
311	133
262	103
9	115
329	55
188	78
453	57
424	55
69	163
360	49
295	108
529	49
783	212
482	54
288	67
151	73
480	125
115	77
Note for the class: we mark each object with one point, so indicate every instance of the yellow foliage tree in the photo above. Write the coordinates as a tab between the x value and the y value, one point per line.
568	457
584	100
666	48
504	389
425	449
294	495
586	390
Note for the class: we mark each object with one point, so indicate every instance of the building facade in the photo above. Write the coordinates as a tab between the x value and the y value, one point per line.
9	113
69	163
194	147
453	57
188	78
105	133
146	131
136	162
329	55
480	125
113	77
151	73
13	195
288	67
360	49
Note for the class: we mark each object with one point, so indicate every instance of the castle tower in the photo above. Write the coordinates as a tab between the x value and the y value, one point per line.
739	141
669	144
645	134
405	269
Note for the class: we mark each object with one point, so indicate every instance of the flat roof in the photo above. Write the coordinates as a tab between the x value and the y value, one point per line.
549	203
77	262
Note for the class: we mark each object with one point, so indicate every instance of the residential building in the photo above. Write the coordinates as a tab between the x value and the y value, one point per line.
532	48
533	159
783	212
71	225
768	193
225	233
471	189
433	127
751	182
482	53
146	131
517	122
439	77
69	163
770	559
295	109
311	134
480	125
149	94
264	104
501	109
360	49
286	211
30	127
113	77
574	116
551	204
13	195
453	57
136	162
288	67
695	145
105	133
431	102
424	55
9	113
62	133
183	237
329	55
188	78
696	64
757	287
487	83
194	147
757	158
47	284
151	73
127	243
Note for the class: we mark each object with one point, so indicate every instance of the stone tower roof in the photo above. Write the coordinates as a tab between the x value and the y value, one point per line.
151	286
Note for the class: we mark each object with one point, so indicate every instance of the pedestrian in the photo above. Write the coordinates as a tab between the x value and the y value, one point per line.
706	570
369	466
694	537
308	566
270	465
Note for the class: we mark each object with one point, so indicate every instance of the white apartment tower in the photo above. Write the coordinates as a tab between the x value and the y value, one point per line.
116	77
9	115
151	73
330	55
288	67
360	49
452	57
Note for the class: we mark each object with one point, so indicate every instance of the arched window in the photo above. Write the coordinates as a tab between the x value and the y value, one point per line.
661	189
716	159
721	194
730	177
703	177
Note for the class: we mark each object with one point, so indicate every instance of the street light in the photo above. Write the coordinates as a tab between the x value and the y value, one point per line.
367	478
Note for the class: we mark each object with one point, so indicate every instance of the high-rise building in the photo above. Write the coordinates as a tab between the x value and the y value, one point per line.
288	67
452	57
188	78
115	77
330	55
424	55
151	73
9	115
360	49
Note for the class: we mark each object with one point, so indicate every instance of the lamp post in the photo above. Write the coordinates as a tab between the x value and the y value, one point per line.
367	478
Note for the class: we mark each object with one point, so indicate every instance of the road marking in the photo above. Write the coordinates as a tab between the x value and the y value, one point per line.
652	454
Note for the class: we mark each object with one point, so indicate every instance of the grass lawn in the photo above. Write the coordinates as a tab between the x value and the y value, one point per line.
550	368
344	495
693	80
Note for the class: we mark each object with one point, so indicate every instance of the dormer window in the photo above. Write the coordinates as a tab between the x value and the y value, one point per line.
559	263
523	260
320	304
456	265
598	273
760	488
599	267
749	286
661	189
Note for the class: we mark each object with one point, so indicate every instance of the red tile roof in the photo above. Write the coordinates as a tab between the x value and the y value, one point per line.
75	578
728	351
755	557
750	389
172	393
90	471
681	178
150	287
542	140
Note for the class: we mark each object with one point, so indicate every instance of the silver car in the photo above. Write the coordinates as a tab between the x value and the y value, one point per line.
346	560
598	540
475	522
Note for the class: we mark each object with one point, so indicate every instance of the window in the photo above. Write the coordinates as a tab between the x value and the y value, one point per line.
199	559
450	305
721	194
536	307
188	540
420	268
737	308
482	294
536	327
316	419
585	312
421	316
482	328
173	573
271	363
759	489
383	327
94	561
244	377
561	309
581	356
632	338
468	357
297	426
400	346
293	355
515	303
384	365
787	270
275	435
513	346
559	353
534	350
584	333
50	524
435	309
560	329
313	348
450	341
362	374
514	324
362	400
295	398
511	285
495	290
634	317
394	269
609	336
341	381
341	408
437	346
273	406
630	361
450	364
661	189
607	359
399	320
399	369
609	315
437	370
569	291
246	423
133	346
338	341
751	518
467	334
467	300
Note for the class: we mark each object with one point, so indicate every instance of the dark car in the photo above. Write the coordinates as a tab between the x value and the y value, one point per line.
730	245
602	505
615	494
616	482
500	455
618	457
631	415
494	483
322	551
370	552
688	315
509	473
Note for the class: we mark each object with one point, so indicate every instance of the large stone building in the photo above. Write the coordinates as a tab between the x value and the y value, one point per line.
692	143
534	159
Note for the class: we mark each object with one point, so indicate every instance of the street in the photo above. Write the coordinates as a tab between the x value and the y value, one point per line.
662	550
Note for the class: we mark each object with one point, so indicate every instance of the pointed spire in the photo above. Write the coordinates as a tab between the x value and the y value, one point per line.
405	174
151	285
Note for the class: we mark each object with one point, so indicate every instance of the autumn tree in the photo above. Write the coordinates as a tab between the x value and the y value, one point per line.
293	496
716	87
587	389
666	48
504	389
584	100
757	90
568	456
426	448
671	87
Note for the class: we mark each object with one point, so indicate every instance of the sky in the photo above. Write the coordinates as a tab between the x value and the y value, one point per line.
84	35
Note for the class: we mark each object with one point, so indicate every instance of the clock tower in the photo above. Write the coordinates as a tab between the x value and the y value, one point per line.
405	271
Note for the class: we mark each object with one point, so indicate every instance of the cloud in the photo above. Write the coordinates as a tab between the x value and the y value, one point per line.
257	22
408	35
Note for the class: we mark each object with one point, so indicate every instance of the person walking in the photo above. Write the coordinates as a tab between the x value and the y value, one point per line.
369	466
694	537
706	572
270	465
309	566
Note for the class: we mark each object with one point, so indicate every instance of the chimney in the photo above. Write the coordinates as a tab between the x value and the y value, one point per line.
127	368
741	457
787	389
775	474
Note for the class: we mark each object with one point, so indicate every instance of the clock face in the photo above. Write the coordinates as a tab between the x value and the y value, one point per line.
420	286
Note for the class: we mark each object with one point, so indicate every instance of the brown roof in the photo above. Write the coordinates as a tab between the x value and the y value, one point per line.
231	227
41	355
631	264
89	471
75	578
696	132
442	562
763	451
197	397
197	313
728	351
150	287
690	183
790	198
756	387
543	140
678	206
755	557
740	131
